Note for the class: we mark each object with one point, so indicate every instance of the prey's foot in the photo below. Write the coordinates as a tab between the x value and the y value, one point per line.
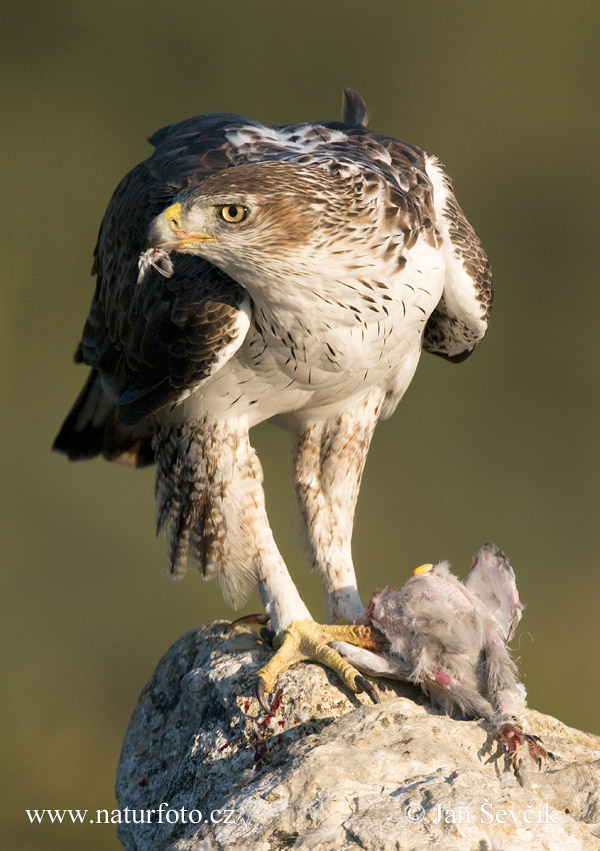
513	738
305	640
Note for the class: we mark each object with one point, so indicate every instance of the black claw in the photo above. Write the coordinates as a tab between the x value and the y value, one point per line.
262	696
261	618
365	685
267	635
537	751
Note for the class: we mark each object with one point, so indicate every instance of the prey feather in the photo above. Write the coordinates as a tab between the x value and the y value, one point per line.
155	258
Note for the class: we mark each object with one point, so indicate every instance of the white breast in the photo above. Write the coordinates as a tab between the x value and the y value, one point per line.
317	347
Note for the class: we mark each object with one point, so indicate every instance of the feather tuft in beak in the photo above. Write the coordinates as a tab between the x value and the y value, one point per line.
155	258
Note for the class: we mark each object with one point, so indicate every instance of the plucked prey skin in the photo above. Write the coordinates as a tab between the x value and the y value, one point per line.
449	637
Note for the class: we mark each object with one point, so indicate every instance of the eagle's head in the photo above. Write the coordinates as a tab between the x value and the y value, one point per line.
264	221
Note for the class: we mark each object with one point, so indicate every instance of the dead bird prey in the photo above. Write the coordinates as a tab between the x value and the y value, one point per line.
450	638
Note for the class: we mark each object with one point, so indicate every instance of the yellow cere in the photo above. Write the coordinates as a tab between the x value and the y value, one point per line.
173	216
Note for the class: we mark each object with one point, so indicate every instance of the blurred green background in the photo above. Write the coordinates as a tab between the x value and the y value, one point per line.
501	448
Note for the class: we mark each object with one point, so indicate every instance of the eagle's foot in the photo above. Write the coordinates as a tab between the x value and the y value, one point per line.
305	640
513	738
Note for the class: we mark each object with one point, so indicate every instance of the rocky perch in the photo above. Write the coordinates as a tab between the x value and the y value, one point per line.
330	770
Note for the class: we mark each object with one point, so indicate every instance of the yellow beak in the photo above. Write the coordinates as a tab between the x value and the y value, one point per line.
172	216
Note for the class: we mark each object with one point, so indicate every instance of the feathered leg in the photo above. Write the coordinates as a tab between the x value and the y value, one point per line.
328	466
210	503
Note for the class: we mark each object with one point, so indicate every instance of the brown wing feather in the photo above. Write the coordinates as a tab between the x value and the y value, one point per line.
470	250
156	340
460	320
149	344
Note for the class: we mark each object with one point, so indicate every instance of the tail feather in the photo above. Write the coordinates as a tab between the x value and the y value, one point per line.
354	109
92	429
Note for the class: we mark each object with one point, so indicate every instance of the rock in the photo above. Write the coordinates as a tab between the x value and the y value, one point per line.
202	768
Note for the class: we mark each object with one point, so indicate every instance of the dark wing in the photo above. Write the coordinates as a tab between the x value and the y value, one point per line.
460	320
92	428
155	341
421	204
427	208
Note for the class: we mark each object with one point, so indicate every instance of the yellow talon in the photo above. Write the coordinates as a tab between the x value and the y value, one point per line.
305	640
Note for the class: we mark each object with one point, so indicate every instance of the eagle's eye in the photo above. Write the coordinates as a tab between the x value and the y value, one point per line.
233	213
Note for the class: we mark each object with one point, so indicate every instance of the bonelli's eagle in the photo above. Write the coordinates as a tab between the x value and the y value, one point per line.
293	273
